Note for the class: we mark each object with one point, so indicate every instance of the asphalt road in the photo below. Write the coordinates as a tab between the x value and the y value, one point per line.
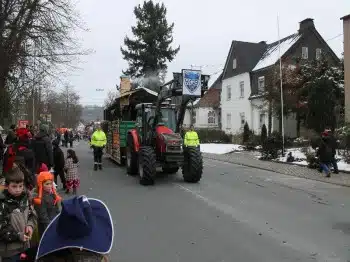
234	214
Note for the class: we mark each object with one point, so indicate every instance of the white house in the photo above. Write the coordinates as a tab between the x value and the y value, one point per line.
247	68
206	110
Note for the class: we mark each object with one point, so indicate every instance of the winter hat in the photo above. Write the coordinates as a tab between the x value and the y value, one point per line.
325	133
44	128
23	134
41	178
42	168
84	223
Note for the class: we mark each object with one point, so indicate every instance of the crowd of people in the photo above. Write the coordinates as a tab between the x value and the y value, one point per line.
35	224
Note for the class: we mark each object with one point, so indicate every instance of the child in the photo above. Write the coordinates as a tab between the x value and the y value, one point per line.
17	217
71	168
47	202
58	159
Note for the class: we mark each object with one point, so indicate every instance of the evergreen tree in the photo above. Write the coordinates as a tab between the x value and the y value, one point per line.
263	135
150	49
246	133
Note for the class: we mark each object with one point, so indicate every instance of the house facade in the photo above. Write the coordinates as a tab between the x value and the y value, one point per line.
206	110
247	71
346	29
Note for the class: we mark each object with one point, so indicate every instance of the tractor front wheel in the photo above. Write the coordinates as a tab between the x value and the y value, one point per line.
147	165
193	165
131	157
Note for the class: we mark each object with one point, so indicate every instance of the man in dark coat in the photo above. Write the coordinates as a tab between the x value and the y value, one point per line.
325	154
58	159
332	143
25	155
11	136
42	148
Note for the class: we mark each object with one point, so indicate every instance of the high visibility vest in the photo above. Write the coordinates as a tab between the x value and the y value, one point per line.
98	139
191	139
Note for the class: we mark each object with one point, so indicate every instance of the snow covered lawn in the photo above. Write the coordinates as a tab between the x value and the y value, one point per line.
220	148
301	159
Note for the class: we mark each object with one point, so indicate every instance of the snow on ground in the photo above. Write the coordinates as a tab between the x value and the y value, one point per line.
220	148
301	159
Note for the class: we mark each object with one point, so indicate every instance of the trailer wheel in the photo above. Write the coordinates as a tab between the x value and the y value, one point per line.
170	170
193	165
131	157
147	166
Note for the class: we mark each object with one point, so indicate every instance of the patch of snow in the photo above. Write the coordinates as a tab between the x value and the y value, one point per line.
220	148
271	55
298	155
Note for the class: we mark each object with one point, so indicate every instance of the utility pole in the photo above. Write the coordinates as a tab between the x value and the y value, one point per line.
281	83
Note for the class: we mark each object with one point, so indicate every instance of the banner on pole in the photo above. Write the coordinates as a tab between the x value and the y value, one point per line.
191	84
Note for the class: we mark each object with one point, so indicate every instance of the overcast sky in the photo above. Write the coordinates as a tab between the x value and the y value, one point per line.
204	29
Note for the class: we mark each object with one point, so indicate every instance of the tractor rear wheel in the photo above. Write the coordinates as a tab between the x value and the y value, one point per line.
170	170
147	165
193	165
131	157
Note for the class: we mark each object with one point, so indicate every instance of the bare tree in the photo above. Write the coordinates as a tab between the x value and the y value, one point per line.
111	97
35	34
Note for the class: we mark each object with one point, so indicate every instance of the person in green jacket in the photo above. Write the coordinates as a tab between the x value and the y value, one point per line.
191	138
98	142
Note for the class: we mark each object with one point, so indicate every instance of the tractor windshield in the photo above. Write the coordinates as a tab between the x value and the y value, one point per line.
168	117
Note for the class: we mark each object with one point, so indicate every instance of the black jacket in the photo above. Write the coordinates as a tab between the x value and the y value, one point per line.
11	137
2	147
46	211
42	148
58	158
325	152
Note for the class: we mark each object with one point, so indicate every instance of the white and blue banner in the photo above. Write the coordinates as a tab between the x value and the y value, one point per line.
191	82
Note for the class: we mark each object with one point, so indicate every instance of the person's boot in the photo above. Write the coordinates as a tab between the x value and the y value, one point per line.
100	166
95	167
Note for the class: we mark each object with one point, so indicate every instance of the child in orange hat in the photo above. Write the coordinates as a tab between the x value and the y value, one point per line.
47	203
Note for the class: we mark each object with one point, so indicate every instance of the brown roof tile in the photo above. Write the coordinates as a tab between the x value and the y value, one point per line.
210	99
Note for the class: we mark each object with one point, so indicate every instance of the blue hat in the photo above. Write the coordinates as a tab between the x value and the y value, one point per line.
84	223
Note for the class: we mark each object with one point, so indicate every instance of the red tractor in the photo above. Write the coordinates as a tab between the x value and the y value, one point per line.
156	140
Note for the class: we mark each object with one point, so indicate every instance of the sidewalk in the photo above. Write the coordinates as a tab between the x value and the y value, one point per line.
246	159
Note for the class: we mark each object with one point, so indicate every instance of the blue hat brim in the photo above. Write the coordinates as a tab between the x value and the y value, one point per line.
99	241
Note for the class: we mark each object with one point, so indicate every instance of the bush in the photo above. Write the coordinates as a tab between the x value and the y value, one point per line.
271	146
246	133
207	135
312	161
263	135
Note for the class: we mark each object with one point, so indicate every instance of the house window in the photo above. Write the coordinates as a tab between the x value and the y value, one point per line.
242	116
318	53
262	119
228	121
228	92
241	89
211	117
261	83
304	52
234	63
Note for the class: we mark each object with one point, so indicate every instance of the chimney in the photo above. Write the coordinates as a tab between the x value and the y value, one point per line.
125	84
306	24
262	42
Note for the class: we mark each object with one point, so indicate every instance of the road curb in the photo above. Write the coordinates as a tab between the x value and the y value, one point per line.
319	179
